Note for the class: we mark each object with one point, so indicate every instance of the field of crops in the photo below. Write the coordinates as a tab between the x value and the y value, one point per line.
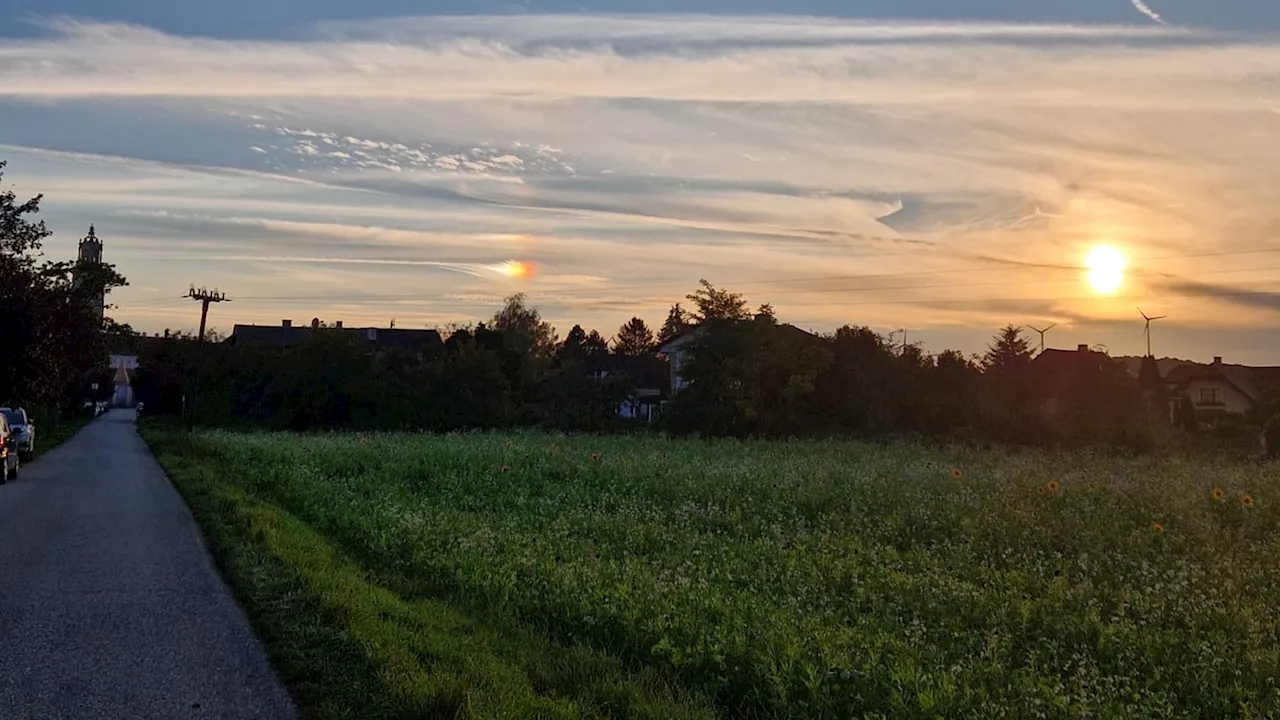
788	579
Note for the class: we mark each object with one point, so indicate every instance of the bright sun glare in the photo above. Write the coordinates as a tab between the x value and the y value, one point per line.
1106	269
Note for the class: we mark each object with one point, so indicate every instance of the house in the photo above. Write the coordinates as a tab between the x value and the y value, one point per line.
123	394
1219	388
649	379
286	335
125	355
676	349
1053	371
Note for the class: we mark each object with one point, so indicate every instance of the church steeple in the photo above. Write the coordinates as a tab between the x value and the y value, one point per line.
91	247
91	254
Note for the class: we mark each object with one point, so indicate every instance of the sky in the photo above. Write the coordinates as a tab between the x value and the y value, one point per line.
942	167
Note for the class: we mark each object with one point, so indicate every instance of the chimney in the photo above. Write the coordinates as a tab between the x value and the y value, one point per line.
338	324
1082	348
166	332
286	323
1217	360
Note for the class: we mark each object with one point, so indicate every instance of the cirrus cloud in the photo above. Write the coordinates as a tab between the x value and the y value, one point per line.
645	152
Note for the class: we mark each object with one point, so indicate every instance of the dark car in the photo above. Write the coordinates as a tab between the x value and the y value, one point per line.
8	452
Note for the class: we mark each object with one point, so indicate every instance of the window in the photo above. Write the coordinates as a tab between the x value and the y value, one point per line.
1210	396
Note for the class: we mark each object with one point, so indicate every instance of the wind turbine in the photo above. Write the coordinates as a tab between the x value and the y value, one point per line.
1042	332
1147	330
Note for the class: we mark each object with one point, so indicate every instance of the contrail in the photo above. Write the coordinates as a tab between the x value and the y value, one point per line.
1145	9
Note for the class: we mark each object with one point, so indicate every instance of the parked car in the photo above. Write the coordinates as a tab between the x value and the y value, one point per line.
8	453
24	431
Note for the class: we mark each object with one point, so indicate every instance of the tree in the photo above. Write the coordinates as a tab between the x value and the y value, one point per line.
1008	352
750	377
1008	404
528	343
523	328
634	339
1154	389
595	346
677	322
52	338
716	304
20	237
572	348
1100	404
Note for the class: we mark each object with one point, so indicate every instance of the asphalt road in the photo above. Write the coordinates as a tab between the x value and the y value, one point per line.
110	606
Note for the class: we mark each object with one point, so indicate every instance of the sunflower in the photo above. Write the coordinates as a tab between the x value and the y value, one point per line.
1158	528
508	443
1052	486
955	473
595	457
504	468
1091	486
1247	501
364	441
1217	494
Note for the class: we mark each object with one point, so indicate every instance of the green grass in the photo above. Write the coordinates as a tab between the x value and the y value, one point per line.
530	575
349	645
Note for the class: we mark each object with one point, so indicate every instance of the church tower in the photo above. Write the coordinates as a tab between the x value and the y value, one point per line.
91	254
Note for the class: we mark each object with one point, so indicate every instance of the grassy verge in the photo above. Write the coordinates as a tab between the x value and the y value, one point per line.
52	433
349	646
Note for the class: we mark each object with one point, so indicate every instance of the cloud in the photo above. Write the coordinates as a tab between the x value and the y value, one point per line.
768	60
629	156
1145	9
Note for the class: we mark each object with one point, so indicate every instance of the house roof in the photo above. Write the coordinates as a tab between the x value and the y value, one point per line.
1249	381
692	332
646	371
1053	367
280	336
267	335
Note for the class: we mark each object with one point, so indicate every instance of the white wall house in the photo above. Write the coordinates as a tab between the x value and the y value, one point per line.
676	350
124	366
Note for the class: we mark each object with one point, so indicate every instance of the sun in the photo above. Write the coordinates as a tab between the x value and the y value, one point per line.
1106	269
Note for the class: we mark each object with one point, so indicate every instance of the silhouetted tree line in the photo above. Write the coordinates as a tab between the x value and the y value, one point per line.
745	374
510	371
749	375
53	341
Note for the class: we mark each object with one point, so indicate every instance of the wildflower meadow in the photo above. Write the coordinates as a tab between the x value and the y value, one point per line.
805	579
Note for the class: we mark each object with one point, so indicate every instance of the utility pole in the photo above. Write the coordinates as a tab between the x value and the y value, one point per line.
205	297
904	341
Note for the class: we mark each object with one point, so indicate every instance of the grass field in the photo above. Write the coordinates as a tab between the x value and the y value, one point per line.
531	575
